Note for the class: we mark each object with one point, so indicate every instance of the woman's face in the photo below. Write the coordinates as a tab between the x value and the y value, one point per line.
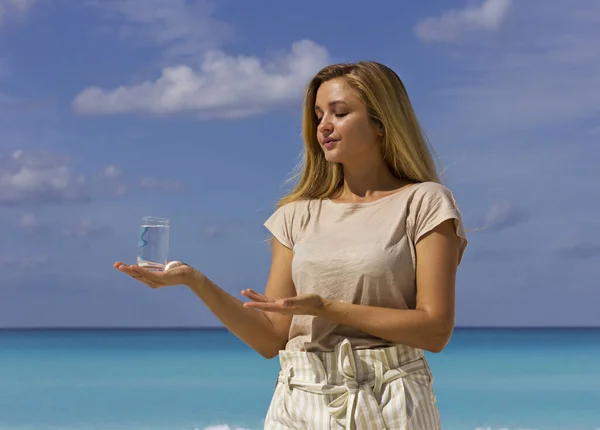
344	129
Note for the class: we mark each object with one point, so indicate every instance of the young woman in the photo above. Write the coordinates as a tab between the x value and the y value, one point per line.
364	260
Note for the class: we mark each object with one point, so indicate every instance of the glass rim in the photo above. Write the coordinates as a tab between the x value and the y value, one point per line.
155	219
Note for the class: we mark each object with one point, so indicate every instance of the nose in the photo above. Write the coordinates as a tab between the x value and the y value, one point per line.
325	127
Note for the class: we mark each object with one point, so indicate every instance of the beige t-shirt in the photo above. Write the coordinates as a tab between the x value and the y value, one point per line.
361	253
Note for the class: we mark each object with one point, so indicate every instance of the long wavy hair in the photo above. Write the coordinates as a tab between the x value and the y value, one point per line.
404	146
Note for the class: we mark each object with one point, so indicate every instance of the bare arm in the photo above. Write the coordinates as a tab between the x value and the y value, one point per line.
430	325
267	333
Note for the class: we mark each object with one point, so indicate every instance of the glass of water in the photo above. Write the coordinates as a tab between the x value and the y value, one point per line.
153	245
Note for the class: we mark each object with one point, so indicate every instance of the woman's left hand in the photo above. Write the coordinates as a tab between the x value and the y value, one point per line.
304	304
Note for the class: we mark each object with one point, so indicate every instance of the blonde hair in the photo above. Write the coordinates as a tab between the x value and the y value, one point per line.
405	148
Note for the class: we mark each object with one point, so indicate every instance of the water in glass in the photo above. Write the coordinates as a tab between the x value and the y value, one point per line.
153	245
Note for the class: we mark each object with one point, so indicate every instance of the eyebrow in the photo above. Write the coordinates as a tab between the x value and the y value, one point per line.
332	104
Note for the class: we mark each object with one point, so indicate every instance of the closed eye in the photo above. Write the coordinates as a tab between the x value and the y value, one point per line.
338	115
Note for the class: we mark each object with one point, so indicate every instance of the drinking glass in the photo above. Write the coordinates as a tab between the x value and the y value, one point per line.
153	245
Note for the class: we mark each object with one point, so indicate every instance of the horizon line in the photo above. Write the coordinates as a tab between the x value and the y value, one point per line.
222	328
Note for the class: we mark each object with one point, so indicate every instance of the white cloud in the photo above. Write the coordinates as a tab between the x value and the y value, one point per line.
503	215
38	176
111	171
535	78
183	29
211	231
451	26
13	8
31	262
19	5
86	228
109	182
201	78
224	86
121	190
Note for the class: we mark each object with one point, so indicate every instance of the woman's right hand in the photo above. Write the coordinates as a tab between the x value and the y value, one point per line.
175	273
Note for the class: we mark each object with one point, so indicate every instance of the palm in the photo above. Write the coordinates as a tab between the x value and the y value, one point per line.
174	274
304	304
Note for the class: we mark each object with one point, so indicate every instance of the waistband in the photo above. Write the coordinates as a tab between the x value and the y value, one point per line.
349	374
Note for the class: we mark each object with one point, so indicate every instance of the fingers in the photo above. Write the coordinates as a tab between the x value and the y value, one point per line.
133	270
253	295
277	306
264	306
138	273
129	270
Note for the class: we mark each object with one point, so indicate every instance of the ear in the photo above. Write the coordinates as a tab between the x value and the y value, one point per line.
377	125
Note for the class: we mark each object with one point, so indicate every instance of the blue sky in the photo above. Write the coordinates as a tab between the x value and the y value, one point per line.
112	110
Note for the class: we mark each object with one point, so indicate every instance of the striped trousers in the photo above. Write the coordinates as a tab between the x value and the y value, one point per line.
371	389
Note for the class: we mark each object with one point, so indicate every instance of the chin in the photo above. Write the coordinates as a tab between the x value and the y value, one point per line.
333	156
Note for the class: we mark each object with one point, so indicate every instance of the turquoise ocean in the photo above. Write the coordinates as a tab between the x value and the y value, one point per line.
197	379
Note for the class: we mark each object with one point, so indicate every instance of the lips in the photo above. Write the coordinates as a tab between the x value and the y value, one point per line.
329	143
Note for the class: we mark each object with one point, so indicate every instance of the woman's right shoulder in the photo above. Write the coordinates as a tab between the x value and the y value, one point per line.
289	219
298	206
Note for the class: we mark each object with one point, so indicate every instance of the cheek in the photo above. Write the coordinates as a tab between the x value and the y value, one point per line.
360	139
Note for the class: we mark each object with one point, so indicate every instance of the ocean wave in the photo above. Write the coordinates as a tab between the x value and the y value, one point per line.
537	428
231	427
223	427
127	427
503	428
217	426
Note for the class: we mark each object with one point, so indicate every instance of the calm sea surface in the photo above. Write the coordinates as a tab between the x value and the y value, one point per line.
486	379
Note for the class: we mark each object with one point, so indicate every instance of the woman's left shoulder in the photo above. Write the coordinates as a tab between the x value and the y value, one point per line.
431	204
431	189
431	196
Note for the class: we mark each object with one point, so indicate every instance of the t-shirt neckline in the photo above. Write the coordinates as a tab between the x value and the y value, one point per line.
372	202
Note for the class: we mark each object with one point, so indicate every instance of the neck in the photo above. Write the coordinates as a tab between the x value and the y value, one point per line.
367	179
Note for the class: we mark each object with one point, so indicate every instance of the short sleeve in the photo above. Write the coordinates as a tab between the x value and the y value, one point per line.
433	204
280	225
